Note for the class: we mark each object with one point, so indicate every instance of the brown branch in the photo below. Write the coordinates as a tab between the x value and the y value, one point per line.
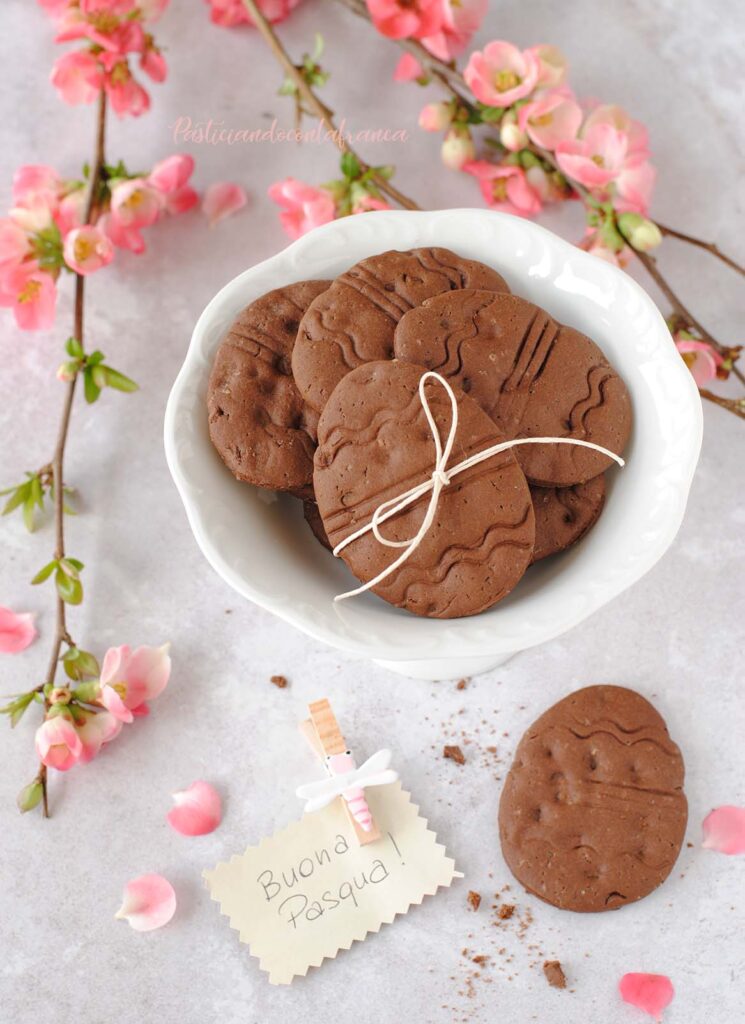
61	634
710	247
316	107
735	405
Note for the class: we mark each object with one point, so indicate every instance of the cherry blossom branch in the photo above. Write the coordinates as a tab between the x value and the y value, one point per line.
710	247
318	108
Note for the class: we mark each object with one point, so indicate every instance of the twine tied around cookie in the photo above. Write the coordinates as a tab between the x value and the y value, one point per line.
441	477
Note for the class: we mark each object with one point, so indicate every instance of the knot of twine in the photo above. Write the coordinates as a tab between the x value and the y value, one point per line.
441	477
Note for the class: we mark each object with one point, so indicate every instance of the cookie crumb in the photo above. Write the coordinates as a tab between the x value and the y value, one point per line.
481	959
506	911
554	974
454	753
462	684
474	899
279	681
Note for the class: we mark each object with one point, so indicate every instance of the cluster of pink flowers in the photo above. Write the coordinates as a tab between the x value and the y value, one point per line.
444	27
113	32
80	721
304	207
44	232
229	13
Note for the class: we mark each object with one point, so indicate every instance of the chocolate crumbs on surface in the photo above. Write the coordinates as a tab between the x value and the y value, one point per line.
554	974
454	753
474	899
505	911
462	684
279	681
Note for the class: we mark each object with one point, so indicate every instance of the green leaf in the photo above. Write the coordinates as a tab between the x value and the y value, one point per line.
30	796
90	388
287	88
37	492
118	381
95	358
45	573
318	47
20	494
28	514
350	166
67	567
99	376
69	588
88	692
489	115
75	562
17	707
74	348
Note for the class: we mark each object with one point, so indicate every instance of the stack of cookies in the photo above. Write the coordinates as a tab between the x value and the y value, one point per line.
315	391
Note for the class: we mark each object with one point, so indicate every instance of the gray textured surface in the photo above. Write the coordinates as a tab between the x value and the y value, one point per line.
676	636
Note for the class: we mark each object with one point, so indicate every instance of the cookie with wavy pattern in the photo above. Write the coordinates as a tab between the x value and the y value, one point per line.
593	814
354	321
532	375
374	443
258	422
563	515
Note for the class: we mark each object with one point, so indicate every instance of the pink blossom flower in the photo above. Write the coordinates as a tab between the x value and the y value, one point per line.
304	207
550	119
505	188
457	149
71	211
87	249
171	174
182	200
130	678
31	293
58	744
724	830
77	76
121	236
635	184
153	63
228	13
500	74
648	992
126	95
222	200
136	203
616	117
197	810
552	65
406	19
36	184
368	204
596	159
700	358
14	244
408	69
17	631
460	20
148	902
96	729
436	117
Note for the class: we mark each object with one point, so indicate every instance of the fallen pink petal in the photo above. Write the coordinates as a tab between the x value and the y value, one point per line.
17	631
197	810
148	902
649	992
724	830
222	200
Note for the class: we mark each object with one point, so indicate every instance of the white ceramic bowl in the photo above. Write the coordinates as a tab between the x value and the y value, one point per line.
260	545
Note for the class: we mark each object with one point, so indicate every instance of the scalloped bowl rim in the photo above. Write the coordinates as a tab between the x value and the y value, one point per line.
542	267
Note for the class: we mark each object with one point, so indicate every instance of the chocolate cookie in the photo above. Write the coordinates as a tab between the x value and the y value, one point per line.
593	813
258	421
565	514
533	376
375	444
314	521
354	321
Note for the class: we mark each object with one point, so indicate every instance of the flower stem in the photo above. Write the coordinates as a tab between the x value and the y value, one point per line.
710	247
61	634
318	108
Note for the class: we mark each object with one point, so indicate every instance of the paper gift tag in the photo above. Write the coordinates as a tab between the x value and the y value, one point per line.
308	891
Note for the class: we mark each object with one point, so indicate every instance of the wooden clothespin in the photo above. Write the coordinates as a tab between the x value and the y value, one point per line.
323	734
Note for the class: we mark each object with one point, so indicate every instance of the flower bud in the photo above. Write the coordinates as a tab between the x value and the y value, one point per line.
66	372
60	695
640	233
30	796
512	136
457	149
436	117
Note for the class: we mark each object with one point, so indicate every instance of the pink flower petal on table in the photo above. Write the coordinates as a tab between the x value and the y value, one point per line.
649	992
408	69
148	902
724	830
16	631
197	810
222	200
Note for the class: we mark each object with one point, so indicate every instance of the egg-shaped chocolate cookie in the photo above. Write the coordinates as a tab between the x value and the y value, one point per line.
533	376
258	422
593	814
354	321
313	519
374	445
563	515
